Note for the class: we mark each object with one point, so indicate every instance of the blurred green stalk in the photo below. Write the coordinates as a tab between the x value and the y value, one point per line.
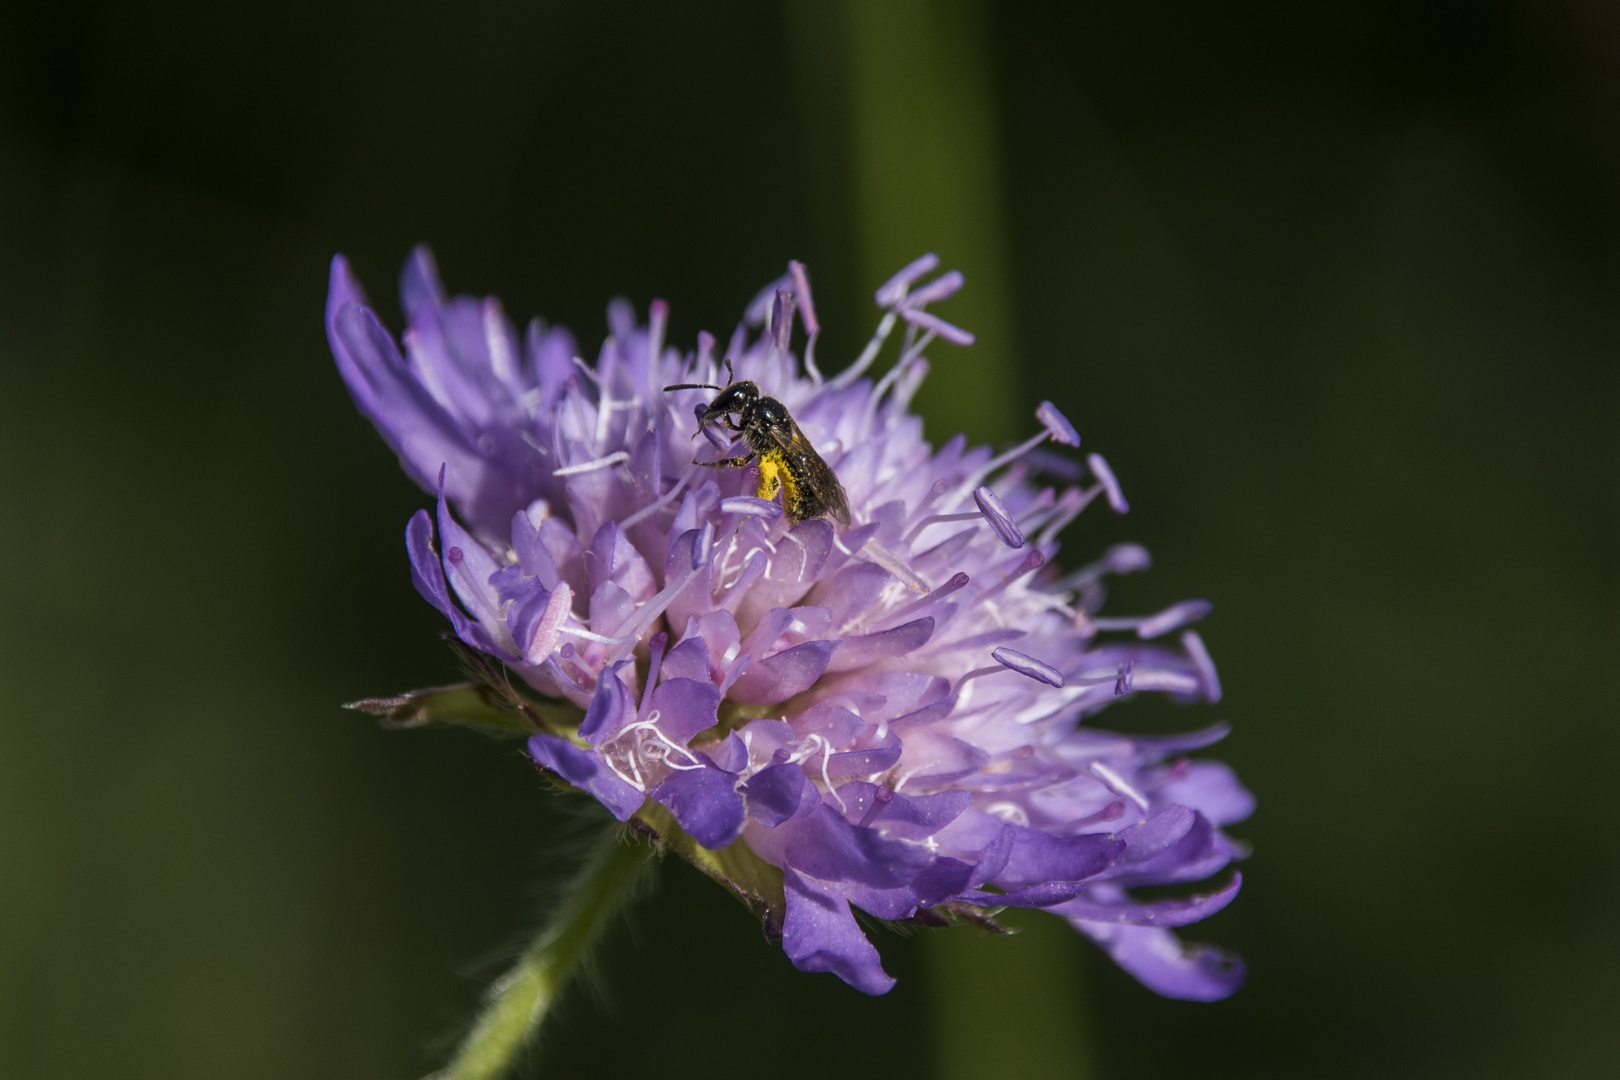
517	1003
914	114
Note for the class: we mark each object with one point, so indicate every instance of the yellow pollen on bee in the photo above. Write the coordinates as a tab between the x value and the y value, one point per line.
774	474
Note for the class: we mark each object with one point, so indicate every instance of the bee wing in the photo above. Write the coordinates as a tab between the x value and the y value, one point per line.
822	493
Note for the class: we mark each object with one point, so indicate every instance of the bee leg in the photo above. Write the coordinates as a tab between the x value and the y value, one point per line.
726	463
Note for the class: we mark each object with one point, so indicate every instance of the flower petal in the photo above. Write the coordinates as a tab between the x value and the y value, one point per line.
820	934
585	770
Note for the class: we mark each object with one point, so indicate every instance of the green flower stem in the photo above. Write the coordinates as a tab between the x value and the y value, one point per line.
517	1003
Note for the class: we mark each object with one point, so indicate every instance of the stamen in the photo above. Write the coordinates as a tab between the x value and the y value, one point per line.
1009	812
782	319
590	372
548	628
940	288
749	505
1056	424
895	566
996	514
801	285
591	466
663	500
649	612
1105	476
894	290
1028	665
1033	561
976	673
941	519
1173	617
1206	667
936	325
958	581
862	362
1118	784
703	550
600	639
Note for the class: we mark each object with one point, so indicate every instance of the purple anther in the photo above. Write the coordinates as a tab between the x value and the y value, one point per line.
548	628
782	318
454	555
996	514
1027	665
935	325
895	288
1173	617
705	349
747	504
1105	476
801	286
1126	559
1127	675
941	287
1056	424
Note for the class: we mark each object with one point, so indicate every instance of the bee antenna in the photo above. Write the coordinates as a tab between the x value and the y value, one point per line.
693	386
730	378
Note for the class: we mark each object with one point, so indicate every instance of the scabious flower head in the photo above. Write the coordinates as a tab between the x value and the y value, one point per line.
892	716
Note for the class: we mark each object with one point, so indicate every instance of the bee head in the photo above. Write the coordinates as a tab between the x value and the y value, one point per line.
739	397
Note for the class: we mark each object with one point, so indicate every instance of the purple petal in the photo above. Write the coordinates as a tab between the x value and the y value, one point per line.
862	762
820	934
611	707
1105	476
1043	895
705	802
729	754
1028	665
1038	857
1056	424
832	722
686	707
1211	788
1162	963
1167	913
860	651
419	284
892	290
585	770
996	514
789	672
936	325
774	794
825	845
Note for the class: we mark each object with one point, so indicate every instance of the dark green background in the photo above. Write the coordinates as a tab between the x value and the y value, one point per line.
1333	285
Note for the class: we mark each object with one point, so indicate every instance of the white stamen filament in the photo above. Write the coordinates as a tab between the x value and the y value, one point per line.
591	466
1118	784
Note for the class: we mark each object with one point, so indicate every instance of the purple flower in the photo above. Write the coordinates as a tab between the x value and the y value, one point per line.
891	717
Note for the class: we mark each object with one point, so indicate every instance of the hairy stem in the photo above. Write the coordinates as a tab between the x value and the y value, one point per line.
517	1003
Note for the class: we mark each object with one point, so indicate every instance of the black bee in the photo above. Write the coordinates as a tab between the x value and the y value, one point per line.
787	461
